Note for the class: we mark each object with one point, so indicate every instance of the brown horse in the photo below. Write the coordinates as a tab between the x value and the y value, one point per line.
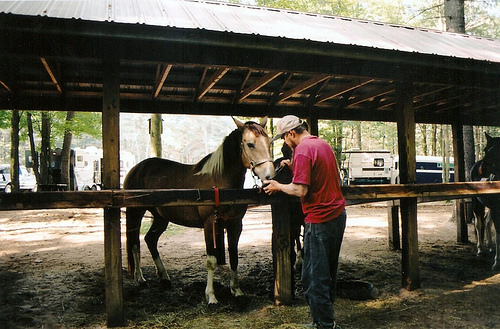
246	147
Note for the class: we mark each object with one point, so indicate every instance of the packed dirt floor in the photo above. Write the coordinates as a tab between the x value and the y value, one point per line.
51	276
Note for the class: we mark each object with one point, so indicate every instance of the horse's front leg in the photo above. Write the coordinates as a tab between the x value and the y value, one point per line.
233	236
211	262
488	223
495	216
479	211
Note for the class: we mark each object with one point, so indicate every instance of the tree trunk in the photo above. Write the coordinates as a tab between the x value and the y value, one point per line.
454	16
34	157
155	131
423	131
66	153
455	22
45	149
14	151
357	135
434	139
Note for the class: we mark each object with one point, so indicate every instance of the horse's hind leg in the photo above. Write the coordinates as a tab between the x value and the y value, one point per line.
157	228
134	218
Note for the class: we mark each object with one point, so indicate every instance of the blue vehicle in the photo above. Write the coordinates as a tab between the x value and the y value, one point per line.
429	170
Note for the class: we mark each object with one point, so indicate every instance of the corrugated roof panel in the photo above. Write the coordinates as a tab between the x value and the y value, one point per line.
226	17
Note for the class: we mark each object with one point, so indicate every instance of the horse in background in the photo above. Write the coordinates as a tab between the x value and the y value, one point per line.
247	147
487	169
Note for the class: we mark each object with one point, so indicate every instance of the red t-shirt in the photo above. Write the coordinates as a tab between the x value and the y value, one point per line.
314	165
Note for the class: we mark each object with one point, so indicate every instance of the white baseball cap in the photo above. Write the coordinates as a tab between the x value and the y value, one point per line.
287	123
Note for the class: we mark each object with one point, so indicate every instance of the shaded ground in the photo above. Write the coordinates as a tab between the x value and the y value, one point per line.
51	276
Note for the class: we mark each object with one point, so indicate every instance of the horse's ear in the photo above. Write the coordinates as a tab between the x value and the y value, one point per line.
238	123
263	122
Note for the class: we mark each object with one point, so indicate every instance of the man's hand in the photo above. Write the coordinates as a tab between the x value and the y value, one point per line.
271	186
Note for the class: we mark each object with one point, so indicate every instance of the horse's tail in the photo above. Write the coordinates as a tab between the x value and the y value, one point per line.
133	224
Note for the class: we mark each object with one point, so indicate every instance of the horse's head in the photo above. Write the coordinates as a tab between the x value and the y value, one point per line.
490	166
255	148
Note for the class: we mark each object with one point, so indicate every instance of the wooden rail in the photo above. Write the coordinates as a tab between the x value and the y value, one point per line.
141	198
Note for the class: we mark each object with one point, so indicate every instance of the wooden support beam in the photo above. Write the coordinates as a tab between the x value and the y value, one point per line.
258	84
51	74
393	226
303	86
219	73
342	90
459	174
410	272
162	73
111	180
282	251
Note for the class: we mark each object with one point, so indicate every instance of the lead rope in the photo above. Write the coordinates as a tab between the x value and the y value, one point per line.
216	210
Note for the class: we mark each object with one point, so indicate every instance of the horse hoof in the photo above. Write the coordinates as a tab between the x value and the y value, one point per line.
165	284
212	306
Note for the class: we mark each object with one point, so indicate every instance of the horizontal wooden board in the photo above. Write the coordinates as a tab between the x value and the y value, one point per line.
149	198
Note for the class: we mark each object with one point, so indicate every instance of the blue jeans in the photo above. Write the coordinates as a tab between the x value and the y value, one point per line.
322	244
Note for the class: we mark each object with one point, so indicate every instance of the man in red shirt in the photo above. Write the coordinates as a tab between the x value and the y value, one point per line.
316	182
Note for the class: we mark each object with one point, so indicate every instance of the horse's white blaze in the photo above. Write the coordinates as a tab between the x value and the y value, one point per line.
209	290
139	278
235	284
160	269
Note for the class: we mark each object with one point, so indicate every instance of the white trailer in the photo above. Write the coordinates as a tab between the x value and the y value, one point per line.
366	167
88	167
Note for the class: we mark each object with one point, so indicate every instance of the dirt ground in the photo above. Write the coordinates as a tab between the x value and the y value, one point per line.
51	276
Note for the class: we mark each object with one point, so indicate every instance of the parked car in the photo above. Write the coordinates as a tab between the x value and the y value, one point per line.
27	181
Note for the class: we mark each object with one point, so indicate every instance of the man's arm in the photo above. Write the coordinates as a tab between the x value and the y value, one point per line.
293	189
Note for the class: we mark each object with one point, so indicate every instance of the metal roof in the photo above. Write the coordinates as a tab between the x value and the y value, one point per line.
241	19
217	58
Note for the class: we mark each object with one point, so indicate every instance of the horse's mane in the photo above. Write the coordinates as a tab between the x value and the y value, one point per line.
214	163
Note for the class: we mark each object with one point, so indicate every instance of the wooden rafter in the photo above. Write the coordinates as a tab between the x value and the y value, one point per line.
161	76
367	97
5	86
303	86
51	74
218	74
258	84
342	90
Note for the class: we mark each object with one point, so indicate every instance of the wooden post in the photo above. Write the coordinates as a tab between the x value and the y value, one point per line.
407	174
111	180
393	225
313	121
459	172
282	250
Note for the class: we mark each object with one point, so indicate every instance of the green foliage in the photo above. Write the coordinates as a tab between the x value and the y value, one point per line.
482	17
83	124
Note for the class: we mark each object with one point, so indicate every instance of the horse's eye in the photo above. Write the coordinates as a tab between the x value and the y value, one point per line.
251	145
